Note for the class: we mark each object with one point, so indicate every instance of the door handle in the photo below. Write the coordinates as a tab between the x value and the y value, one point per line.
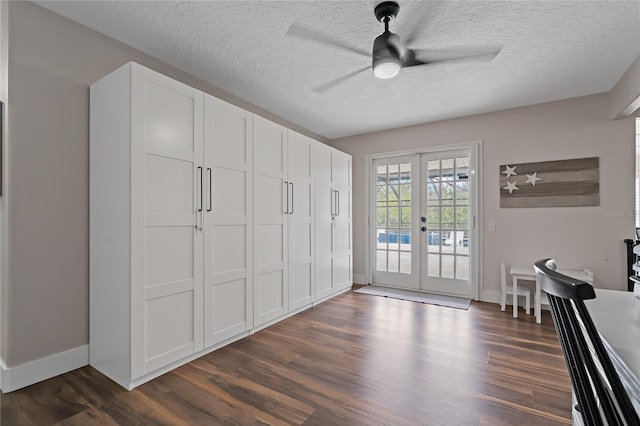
286	185
210	190
338	198
333	203
200	199
423	219
291	183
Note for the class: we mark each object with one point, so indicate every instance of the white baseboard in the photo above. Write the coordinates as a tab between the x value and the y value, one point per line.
20	376
359	279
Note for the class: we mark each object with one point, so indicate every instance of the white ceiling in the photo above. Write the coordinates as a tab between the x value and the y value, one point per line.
551	50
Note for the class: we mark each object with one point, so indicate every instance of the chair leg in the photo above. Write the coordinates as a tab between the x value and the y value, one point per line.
503	301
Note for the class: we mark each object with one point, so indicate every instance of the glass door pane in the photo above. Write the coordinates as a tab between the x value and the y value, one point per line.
395	214
447	211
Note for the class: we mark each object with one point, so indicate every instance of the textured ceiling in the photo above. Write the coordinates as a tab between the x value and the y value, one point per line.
551	50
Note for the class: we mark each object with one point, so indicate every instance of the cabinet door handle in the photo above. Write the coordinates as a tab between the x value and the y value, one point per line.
333	202
291	183
338	198
286	185
210	190
200	199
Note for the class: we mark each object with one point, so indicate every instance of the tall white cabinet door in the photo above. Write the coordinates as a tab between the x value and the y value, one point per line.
323	221
228	228
342	261
300	219
270	224
166	246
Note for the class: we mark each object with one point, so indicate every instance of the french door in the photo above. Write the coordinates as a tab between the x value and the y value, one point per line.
396	211
424	208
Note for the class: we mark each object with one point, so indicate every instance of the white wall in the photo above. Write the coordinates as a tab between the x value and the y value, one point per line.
576	237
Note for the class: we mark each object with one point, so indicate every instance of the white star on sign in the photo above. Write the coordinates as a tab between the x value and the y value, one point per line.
510	171
532	179
511	186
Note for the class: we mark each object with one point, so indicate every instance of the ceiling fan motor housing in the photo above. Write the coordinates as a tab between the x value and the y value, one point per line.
385	45
386	58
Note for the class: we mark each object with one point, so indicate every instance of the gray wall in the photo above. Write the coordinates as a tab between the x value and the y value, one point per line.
577	237
52	62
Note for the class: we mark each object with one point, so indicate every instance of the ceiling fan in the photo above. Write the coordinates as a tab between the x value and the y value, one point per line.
390	53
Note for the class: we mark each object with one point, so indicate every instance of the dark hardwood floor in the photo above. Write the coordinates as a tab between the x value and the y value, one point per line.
354	360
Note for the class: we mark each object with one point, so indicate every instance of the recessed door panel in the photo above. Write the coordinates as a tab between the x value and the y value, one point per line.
301	291
229	309
272	248
229	141
169	186
169	329
229	190
170	254
169	120
229	249
300	241
271	299
270	197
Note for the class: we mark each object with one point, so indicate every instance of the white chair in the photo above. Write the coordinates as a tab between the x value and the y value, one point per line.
507	289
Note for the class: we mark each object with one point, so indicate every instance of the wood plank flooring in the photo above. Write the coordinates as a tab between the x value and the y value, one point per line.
354	360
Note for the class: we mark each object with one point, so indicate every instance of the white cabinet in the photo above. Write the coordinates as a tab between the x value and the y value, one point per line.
271	279
341	233
205	223
228	226
146	253
332	220
283	221
171	229
300	220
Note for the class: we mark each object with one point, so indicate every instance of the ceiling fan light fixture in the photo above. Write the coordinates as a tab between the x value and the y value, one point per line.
386	67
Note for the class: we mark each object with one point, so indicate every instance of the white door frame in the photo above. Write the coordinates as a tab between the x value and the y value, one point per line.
476	164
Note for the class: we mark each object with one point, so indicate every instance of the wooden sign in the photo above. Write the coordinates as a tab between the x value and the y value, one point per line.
563	183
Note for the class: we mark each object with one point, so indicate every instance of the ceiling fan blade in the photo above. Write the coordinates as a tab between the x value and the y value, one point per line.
430	56
309	34
421	13
337	81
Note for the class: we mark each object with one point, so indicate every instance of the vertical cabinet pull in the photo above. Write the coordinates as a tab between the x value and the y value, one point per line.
291	211
210	190
333	201
200	199
286	209
338	201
